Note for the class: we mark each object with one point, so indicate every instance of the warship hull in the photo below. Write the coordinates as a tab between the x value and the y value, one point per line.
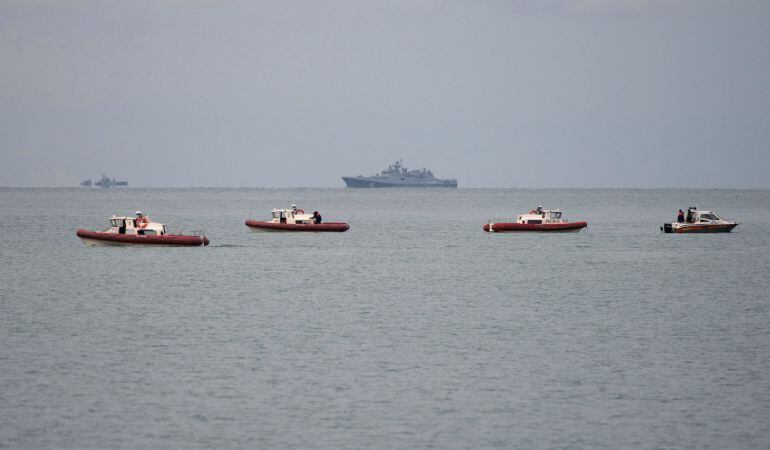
396	175
376	182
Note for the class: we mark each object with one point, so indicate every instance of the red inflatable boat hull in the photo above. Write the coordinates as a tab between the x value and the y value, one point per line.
102	238
271	226
504	227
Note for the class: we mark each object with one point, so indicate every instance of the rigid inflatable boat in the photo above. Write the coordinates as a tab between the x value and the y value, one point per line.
140	231
295	220
539	219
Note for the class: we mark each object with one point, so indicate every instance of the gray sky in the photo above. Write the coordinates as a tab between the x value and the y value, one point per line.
529	93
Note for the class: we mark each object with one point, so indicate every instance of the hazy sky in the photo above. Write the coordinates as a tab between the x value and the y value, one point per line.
517	93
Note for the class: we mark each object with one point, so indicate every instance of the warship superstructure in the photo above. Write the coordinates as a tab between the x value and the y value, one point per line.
104	182
396	175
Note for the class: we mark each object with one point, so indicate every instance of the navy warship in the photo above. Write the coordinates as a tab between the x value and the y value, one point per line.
105	182
396	175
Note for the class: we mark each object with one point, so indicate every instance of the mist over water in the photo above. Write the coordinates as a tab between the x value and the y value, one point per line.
525	93
413	329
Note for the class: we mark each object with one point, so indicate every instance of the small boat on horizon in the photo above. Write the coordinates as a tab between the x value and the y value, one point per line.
537	220
699	221
140	230
295	219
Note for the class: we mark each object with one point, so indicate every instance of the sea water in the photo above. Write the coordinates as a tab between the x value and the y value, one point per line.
414	329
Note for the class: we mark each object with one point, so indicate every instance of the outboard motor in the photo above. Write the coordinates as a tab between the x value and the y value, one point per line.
666	228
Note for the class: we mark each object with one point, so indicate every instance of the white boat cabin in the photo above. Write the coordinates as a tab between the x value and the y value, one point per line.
292	216
697	216
128	225
540	216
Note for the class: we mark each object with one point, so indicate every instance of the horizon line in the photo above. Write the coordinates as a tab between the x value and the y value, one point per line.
390	189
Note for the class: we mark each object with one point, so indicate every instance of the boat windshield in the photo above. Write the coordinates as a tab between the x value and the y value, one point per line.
115	222
554	215
709	216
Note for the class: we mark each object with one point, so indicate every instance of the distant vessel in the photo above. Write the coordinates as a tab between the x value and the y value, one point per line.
104	182
396	175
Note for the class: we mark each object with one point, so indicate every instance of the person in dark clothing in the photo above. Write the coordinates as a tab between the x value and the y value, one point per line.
680	217
316	217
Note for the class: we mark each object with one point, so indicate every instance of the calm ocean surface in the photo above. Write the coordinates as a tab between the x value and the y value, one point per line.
415	329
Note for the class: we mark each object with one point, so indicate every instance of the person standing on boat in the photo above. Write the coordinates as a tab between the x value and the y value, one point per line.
316	217
680	216
141	221
690	215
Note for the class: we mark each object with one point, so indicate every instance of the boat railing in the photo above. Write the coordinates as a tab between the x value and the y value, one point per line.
188	233
501	220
